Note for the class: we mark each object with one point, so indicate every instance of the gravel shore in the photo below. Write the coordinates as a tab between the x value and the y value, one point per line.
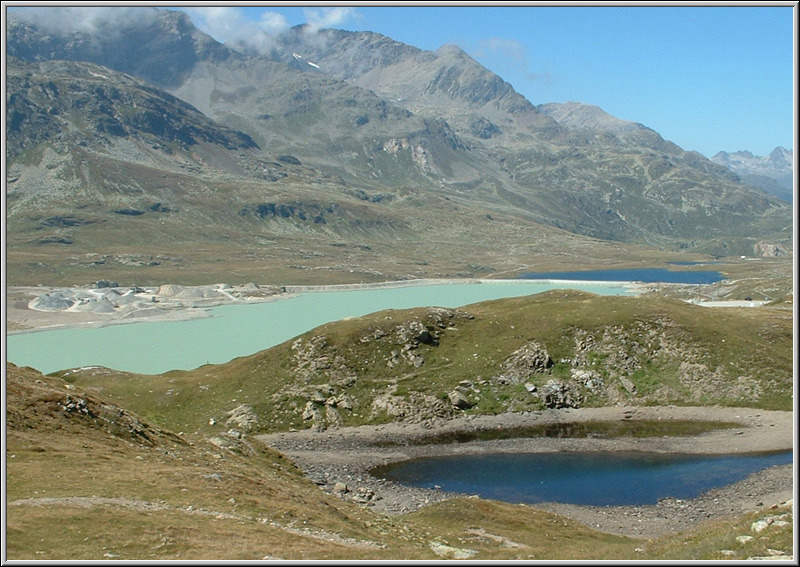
339	461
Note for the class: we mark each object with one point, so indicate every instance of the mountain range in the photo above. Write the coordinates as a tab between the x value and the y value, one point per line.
774	173
142	146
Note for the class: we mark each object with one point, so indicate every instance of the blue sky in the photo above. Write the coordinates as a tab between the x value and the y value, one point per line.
707	78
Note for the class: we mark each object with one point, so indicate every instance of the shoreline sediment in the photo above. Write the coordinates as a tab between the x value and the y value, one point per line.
22	318
341	459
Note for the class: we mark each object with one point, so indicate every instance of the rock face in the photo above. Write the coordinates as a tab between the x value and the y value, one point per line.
242	418
531	358
556	395
769	250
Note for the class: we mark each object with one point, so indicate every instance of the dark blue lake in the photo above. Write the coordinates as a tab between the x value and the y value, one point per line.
589	479
646	275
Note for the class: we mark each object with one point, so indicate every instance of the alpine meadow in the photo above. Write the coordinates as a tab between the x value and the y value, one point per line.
156	176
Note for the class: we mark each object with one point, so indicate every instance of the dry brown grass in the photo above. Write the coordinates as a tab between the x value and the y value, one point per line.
83	487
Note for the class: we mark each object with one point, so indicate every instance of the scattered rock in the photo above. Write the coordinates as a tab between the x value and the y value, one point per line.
590	379
449	552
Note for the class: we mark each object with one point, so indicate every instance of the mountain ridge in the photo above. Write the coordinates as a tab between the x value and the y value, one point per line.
366	116
774	173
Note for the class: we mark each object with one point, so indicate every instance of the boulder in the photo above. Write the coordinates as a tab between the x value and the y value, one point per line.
459	400
557	395
629	386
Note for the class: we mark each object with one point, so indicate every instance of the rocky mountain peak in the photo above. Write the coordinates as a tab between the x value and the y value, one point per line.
774	173
160	46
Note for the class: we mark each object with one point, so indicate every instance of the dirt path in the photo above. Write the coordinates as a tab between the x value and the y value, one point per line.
144	506
339	461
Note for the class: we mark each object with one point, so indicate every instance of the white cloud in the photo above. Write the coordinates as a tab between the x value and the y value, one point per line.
328	17
220	22
228	25
273	22
82	19
510	50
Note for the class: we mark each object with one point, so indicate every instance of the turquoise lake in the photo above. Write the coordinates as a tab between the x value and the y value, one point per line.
232	331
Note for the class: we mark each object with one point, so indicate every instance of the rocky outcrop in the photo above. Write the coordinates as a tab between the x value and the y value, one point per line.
556	394
314	361
323	405
531	358
417	407
409	335
765	249
242	418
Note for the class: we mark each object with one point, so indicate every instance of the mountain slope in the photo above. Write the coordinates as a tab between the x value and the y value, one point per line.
773	173
357	130
109	173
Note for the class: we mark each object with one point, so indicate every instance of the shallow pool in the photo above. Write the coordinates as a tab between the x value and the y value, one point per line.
584	478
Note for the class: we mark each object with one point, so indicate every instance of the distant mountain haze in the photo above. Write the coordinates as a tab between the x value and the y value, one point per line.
773	173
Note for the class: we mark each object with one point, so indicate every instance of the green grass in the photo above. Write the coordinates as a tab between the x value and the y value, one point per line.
726	350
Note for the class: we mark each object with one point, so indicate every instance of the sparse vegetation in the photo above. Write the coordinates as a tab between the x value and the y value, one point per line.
167	495
642	351
295	178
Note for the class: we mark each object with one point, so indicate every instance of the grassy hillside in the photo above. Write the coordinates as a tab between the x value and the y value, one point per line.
107	465
557	349
89	480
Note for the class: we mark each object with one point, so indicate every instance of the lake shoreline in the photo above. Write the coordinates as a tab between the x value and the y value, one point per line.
344	457
21	318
